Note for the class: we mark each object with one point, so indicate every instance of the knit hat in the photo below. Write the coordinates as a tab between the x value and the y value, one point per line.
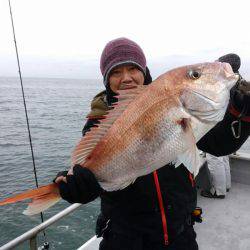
118	52
233	60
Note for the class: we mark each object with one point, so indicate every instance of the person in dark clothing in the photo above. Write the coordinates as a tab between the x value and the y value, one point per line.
157	210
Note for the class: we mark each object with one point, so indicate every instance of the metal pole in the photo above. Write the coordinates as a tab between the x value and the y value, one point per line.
34	231
33	243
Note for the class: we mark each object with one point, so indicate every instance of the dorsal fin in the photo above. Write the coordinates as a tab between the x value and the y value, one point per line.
125	96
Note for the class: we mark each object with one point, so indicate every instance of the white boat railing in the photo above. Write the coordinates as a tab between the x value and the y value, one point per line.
31	235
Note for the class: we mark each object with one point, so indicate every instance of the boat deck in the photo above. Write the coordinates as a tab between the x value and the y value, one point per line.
226	222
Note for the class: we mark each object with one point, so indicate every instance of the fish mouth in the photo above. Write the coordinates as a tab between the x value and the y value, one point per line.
228	69
230	75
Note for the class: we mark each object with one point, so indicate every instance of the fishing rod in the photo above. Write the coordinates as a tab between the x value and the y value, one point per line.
46	244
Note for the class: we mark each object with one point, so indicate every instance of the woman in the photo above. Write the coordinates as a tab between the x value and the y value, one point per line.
156	211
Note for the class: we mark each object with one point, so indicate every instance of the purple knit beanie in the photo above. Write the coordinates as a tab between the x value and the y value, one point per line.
118	52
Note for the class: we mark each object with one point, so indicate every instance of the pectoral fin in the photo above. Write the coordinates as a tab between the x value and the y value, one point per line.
191	157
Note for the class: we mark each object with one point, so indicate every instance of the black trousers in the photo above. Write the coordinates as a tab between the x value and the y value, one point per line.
113	241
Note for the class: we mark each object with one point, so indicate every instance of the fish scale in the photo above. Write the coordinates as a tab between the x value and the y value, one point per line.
143	157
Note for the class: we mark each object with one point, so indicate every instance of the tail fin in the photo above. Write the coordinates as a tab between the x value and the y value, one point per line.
42	198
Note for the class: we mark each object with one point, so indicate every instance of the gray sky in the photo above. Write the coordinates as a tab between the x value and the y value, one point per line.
64	35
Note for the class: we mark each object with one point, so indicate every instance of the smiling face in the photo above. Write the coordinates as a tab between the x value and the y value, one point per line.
125	74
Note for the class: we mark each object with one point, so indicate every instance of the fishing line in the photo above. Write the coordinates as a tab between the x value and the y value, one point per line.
25	108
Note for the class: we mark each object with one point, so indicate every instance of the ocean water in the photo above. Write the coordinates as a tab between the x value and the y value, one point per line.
57	109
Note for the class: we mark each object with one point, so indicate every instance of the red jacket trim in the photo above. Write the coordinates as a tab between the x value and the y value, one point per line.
236	113
163	215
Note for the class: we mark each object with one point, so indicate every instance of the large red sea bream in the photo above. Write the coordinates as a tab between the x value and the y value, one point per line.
149	127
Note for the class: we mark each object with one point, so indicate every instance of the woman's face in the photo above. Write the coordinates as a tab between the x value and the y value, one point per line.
125	74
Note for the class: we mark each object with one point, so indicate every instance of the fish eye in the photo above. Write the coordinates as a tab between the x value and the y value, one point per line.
194	74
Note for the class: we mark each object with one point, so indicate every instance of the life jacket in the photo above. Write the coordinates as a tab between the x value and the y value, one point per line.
137	209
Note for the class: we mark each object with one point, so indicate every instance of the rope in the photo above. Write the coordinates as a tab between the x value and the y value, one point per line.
24	103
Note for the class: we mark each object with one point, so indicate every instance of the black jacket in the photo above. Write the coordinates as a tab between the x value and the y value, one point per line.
135	209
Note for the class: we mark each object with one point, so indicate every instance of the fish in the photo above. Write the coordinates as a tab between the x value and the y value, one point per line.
149	127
